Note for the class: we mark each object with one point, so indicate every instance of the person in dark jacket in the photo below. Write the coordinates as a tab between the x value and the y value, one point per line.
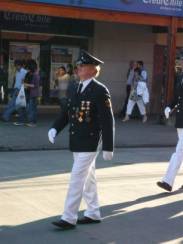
177	157
89	113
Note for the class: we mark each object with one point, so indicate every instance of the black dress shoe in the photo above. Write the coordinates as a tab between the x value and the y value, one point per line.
87	220
63	225
164	185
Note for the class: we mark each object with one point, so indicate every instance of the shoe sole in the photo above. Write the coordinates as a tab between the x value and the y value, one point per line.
92	222
63	228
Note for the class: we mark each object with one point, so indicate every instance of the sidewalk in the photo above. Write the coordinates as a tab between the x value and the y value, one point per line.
130	134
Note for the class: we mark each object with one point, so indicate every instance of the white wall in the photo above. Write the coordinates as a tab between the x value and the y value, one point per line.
117	44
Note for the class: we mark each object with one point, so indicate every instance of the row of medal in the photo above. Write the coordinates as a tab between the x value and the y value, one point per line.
84	112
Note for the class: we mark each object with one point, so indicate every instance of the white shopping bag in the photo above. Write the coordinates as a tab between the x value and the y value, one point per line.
21	100
2	93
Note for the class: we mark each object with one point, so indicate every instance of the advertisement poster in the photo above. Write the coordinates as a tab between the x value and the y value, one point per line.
61	56
21	51
160	7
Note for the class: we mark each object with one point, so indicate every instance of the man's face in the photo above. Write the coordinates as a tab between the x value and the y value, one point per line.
86	71
139	66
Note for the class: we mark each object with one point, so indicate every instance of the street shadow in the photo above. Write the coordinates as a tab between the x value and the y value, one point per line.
27	165
149	225
121	206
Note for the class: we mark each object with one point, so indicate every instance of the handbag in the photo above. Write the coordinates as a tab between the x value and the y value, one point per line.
20	101
133	95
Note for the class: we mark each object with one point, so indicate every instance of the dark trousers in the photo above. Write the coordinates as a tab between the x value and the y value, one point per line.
30	112
11	107
128	90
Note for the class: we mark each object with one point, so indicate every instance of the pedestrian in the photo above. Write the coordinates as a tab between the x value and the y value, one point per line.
62	83
19	78
31	84
130	77
139	95
177	157
89	113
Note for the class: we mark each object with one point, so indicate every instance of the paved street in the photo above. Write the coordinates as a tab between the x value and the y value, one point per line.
135	211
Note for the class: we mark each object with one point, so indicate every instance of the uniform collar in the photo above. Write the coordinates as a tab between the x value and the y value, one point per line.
85	83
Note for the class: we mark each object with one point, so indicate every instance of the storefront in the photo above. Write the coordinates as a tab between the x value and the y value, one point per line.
51	41
116	32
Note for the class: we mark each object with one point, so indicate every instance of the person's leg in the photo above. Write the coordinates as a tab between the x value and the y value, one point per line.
22	113
142	110
128	89
21	116
32	110
175	161
81	166
10	107
130	107
90	195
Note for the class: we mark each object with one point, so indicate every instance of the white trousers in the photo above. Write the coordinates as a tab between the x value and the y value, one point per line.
175	161
82	184
131	105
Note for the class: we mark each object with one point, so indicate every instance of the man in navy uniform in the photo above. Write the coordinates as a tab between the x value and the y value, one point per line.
90	116
177	157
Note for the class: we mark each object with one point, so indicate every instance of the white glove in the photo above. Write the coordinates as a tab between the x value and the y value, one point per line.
51	135
107	155
167	112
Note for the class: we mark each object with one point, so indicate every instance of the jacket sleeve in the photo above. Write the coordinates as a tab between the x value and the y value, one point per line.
106	119
61	121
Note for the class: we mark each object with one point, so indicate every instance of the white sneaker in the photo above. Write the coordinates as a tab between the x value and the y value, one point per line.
144	119
126	118
31	124
18	123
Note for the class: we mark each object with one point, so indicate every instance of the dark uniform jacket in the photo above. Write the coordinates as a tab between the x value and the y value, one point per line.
177	103
90	117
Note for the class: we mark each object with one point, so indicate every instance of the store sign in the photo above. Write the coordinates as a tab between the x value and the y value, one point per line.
160	7
45	24
28	20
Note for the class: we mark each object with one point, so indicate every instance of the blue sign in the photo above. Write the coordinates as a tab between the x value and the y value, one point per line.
160	7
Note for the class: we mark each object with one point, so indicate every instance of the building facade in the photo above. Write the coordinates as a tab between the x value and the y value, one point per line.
54	34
